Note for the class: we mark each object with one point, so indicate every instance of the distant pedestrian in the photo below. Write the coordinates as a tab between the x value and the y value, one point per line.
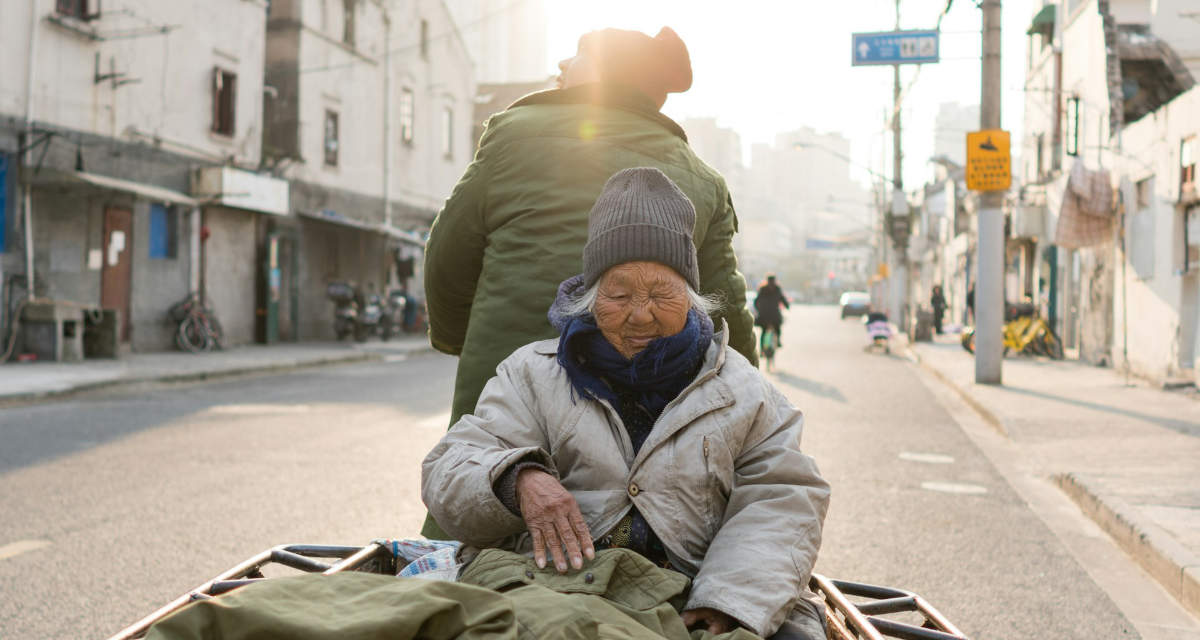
938	302
971	304
766	305
517	221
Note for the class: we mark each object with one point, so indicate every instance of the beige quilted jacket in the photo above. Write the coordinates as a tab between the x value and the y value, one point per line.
721	478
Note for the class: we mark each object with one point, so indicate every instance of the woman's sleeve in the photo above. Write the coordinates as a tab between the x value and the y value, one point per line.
772	527
458	476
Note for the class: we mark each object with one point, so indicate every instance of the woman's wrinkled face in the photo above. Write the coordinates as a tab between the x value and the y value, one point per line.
637	302
576	70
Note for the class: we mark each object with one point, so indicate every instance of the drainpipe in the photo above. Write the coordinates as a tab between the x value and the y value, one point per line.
387	118
194	250
27	189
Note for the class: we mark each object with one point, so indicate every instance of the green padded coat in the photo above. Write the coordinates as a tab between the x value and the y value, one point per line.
516	223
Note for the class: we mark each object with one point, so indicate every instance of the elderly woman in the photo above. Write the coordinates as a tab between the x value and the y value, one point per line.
640	428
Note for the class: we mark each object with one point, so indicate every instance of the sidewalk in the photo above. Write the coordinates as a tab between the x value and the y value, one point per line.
1128	455
38	380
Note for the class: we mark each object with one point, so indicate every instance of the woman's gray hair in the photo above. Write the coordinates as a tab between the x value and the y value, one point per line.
585	302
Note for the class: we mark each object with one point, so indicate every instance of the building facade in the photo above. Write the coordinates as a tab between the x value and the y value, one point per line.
369	118
1093	68
106	115
1157	309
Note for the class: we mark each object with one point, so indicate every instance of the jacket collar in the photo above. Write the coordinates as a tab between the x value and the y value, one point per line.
689	406
617	96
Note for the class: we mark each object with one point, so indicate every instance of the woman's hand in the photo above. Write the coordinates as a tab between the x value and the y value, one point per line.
708	619
553	519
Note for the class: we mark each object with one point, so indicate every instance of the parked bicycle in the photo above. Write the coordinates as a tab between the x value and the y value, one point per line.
197	327
1025	333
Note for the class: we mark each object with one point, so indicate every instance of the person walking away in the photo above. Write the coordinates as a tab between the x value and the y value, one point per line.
516	223
971	304
766	305
938	302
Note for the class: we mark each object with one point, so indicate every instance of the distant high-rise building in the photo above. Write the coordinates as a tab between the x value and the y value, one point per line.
950	129
506	39
720	147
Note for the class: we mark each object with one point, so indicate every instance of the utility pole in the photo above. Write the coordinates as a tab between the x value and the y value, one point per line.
989	289
898	205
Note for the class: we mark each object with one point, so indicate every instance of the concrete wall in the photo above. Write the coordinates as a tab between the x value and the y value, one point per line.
171	100
335	252
158	283
350	80
70	224
231	270
1152	301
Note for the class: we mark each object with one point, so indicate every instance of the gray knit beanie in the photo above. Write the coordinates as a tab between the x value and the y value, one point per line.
641	215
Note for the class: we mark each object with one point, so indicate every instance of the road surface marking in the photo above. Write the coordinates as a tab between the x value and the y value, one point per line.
931	458
396	357
14	549
951	487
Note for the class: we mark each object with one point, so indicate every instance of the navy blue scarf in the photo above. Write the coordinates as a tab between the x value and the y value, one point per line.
656	375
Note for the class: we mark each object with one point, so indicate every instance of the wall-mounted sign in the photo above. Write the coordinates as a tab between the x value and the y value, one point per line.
989	163
894	47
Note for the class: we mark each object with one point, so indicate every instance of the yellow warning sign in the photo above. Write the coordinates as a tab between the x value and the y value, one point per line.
989	163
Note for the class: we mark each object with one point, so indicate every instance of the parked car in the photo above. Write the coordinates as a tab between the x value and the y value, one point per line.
855	303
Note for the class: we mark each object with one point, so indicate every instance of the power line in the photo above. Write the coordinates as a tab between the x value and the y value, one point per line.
454	29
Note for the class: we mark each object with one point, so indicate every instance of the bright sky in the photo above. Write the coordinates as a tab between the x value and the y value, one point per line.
767	66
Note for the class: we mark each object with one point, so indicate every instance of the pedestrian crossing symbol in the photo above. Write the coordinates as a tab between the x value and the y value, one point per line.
989	163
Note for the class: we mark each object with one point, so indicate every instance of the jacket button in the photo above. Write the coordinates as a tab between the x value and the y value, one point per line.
589	578
529	574
633	489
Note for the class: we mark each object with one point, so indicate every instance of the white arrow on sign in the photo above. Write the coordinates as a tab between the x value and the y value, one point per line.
863	49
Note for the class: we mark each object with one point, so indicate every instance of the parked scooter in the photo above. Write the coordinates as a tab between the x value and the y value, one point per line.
392	322
345	311
878	330
370	316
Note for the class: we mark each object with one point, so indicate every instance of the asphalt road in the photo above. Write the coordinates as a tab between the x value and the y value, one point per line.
127	499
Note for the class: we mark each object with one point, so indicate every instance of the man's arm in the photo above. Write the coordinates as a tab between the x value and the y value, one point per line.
454	257
719	274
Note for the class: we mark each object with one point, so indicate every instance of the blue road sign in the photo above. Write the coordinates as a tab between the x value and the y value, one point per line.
894	47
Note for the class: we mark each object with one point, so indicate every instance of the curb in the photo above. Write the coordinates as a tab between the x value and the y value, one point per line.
988	416
1176	568
196	376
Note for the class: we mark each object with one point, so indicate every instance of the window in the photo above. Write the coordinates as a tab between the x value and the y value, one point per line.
1039	140
448	132
348	21
406	115
1187	162
1073	126
163	232
3	200
224	101
331	138
424	38
1143	191
81	9
1191	238
1140	229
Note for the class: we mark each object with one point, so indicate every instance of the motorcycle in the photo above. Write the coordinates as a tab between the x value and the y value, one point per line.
392	320
345	311
356	313
370	317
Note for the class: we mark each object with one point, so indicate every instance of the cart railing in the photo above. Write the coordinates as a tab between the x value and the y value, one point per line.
863	620
848	619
